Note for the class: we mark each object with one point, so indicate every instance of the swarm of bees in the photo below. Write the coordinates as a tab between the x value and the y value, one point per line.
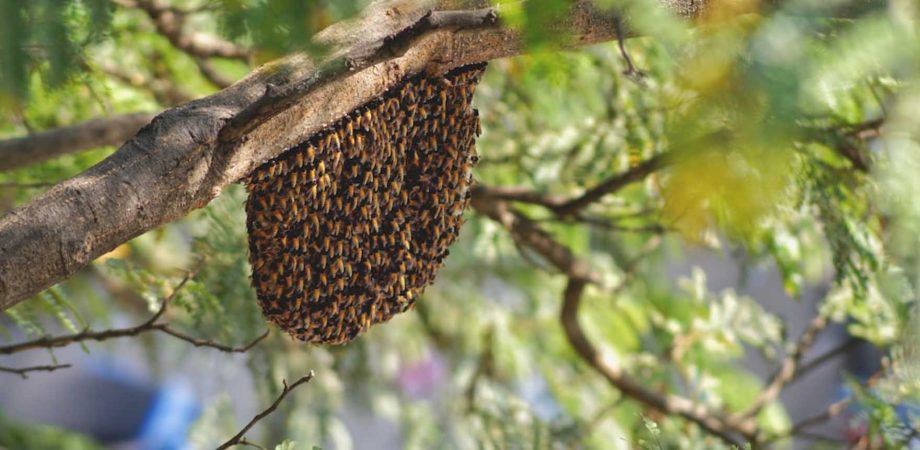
349	227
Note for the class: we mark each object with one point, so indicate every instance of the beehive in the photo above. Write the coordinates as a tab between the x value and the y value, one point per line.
347	228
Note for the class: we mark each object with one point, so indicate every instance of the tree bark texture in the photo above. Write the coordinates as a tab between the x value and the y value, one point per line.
186	155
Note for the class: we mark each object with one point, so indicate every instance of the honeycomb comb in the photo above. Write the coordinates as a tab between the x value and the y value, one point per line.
347	228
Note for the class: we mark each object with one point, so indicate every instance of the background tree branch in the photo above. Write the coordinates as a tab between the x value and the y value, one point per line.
23	372
170	22
151	324
38	147
580	273
240	438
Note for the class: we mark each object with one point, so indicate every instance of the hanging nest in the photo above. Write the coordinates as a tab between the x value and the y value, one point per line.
347	228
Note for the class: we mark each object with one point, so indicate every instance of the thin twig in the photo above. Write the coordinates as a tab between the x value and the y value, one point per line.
570	208
23	371
631	71
150	324
239	437
613	184
817	361
787	370
829	413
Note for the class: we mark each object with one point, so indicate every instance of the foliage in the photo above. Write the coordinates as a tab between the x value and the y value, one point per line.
772	120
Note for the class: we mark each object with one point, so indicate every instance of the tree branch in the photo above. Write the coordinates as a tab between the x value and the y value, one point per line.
664	403
177	163
787	370
239	437
38	147
211	73
170	23
526	233
564	207
613	184
151	324
24	371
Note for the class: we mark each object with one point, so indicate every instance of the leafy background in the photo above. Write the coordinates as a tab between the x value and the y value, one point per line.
761	108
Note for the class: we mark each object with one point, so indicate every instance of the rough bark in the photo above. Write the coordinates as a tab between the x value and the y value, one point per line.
178	163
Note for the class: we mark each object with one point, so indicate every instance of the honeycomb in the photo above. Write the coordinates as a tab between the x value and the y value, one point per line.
347	228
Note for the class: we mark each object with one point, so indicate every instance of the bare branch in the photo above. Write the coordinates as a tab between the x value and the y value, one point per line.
211	73
38	147
819	360
163	90
24	371
832	410
613	184
149	325
563	207
239	437
527	233
210	344
170	23
525	195
787	370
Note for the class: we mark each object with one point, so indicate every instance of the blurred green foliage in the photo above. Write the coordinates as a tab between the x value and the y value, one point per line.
761	113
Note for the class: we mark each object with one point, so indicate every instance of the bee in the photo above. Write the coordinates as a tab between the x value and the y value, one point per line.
406	160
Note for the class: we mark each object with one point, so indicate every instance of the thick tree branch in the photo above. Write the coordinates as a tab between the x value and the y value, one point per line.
38	147
239	437
177	163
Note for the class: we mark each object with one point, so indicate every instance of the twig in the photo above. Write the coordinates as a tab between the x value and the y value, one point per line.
829	413
210	73
832	410
631	71
239	437
817	361
787	370
206	343
150	325
569	208
611	185
23	372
